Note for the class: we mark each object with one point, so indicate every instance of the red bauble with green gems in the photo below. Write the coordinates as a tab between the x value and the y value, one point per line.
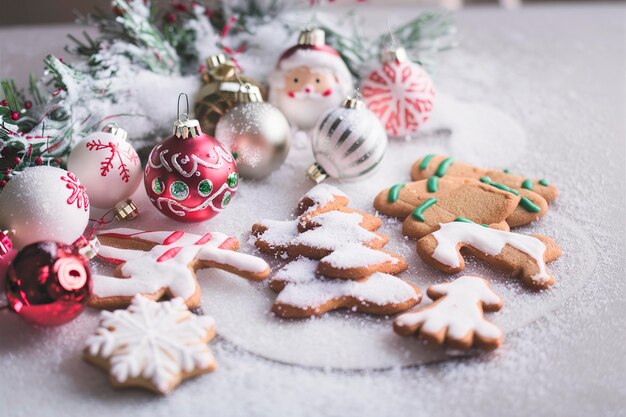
190	177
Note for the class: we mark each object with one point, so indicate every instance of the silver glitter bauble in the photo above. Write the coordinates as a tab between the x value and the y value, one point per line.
258	134
348	142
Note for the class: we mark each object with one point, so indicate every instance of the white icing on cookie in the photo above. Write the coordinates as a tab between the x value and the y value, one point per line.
487	240
459	310
334	230
279	233
322	195
154	341
166	265
354	256
306	289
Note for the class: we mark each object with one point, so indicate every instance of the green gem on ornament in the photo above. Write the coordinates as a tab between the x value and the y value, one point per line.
232	179
226	199
179	190
157	186
205	187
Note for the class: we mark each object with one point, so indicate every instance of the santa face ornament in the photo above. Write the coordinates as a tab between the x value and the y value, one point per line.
310	78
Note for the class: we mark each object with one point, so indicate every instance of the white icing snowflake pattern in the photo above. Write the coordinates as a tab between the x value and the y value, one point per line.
161	343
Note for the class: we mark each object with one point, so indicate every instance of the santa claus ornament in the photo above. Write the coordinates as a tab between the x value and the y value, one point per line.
257	133
310	78
220	83
43	203
190	176
400	93
109	168
348	143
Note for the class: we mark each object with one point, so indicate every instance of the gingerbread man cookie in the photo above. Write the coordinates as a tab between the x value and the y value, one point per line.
152	345
304	293
456	316
161	263
343	239
520	255
428	203
440	166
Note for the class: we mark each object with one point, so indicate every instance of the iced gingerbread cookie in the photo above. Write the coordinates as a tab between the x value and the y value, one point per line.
520	255
152	345
163	263
343	239
304	293
428	203
456	316
528	189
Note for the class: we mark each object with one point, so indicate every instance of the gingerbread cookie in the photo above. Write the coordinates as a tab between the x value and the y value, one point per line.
157	264
152	345
304	293
428	203
443	166
456	316
343	239
520	255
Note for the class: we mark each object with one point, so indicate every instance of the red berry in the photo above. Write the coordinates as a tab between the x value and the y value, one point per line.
4	103
15	115
28	105
17	160
171	18
3	183
38	160
181	7
58	161
60	59
7	171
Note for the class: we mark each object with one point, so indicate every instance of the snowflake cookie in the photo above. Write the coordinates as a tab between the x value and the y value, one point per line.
152	345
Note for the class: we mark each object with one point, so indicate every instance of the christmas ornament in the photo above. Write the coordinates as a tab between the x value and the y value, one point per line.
257	133
48	283
310	78
44	203
400	93
348	142
109	168
221	83
190	177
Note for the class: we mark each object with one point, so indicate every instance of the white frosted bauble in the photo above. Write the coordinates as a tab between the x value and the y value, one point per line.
259	134
349	142
44	203
108	167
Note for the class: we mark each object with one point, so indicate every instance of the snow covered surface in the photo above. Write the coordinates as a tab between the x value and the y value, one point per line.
539	91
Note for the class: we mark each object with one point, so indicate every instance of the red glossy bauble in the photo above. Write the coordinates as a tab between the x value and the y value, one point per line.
191	179
48	283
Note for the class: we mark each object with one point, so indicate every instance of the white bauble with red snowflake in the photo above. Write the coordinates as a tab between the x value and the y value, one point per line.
107	166
400	93
44	203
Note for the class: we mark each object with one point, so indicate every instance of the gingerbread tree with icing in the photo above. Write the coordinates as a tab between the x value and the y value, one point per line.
336	259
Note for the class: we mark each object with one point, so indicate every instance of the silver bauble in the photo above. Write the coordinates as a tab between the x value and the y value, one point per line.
258	134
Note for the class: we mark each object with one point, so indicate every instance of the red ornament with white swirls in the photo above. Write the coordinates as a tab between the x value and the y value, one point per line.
191	179
48	283
401	94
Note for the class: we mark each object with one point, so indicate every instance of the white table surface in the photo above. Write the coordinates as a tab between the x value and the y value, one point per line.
559	71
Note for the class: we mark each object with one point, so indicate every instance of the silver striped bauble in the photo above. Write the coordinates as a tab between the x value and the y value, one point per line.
348	142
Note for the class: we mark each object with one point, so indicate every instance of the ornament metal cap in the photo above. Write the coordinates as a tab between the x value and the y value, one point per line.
115	130
215	61
393	55
88	248
316	173
184	127
248	93
312	36
5	242
126	210
353	102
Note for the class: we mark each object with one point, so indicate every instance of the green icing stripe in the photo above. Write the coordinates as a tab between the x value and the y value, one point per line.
443	167
464	220
506	171
528	184
424	164
529	206
394	193
544	183
502	187
432	184
418	212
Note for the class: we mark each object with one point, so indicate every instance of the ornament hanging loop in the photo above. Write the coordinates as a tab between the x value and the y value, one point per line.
185	127
115	129
186	113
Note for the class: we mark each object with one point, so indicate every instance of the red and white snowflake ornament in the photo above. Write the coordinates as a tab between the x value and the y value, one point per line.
400	93
108	166
44	203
